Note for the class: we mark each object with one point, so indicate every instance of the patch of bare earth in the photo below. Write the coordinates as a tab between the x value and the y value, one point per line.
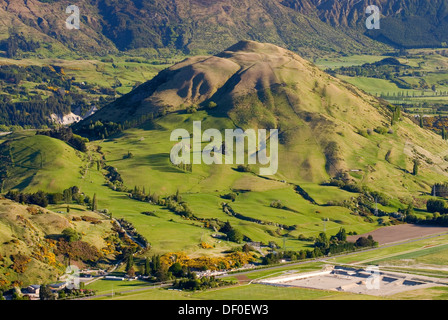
242	279
400	233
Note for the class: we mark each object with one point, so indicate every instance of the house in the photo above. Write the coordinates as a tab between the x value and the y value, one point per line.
32	291
34	288
58	286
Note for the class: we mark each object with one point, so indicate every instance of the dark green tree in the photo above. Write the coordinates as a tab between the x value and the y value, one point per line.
129	261
341	235
322	241
436	205
416	167
235	236
148	269
71	235
94	203
45	293
176	269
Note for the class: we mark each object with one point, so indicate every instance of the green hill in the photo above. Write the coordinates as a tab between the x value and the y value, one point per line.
39	162
328	130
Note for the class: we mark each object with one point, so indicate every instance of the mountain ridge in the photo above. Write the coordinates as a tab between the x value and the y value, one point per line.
404	23
191	26
308	27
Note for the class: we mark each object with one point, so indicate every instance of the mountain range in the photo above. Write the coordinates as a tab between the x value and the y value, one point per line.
404	23
200	26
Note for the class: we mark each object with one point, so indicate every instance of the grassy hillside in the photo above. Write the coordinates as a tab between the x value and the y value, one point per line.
328	128
41	163
28	255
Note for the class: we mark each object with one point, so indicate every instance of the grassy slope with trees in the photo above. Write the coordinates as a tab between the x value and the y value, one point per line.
180	210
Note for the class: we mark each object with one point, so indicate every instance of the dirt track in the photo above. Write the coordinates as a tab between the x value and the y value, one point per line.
400	233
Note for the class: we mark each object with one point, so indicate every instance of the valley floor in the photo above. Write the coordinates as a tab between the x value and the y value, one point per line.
250	288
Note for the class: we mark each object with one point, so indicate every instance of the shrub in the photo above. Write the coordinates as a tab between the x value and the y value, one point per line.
192	109
380	130
243	168
92	220
20	262
277	204
366	242
230	196
235	236
212	105
78	250
435	205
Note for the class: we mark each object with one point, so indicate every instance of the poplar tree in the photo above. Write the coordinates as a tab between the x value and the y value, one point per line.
94	203
147	267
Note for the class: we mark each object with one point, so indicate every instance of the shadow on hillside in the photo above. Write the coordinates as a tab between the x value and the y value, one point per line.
25	183
161	162
54	236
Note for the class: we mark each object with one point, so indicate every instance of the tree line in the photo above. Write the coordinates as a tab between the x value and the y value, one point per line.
43	199
66	134
322	246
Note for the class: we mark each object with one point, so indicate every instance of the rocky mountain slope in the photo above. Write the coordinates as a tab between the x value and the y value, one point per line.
404	23
192	26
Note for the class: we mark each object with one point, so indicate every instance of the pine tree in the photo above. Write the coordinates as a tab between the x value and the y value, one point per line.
45	293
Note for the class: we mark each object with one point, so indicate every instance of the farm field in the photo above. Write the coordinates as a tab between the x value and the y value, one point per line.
103	72
401	233
388	251
243	292
353	60
423	91
109	286
432	248
430	257
434	293
344	156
